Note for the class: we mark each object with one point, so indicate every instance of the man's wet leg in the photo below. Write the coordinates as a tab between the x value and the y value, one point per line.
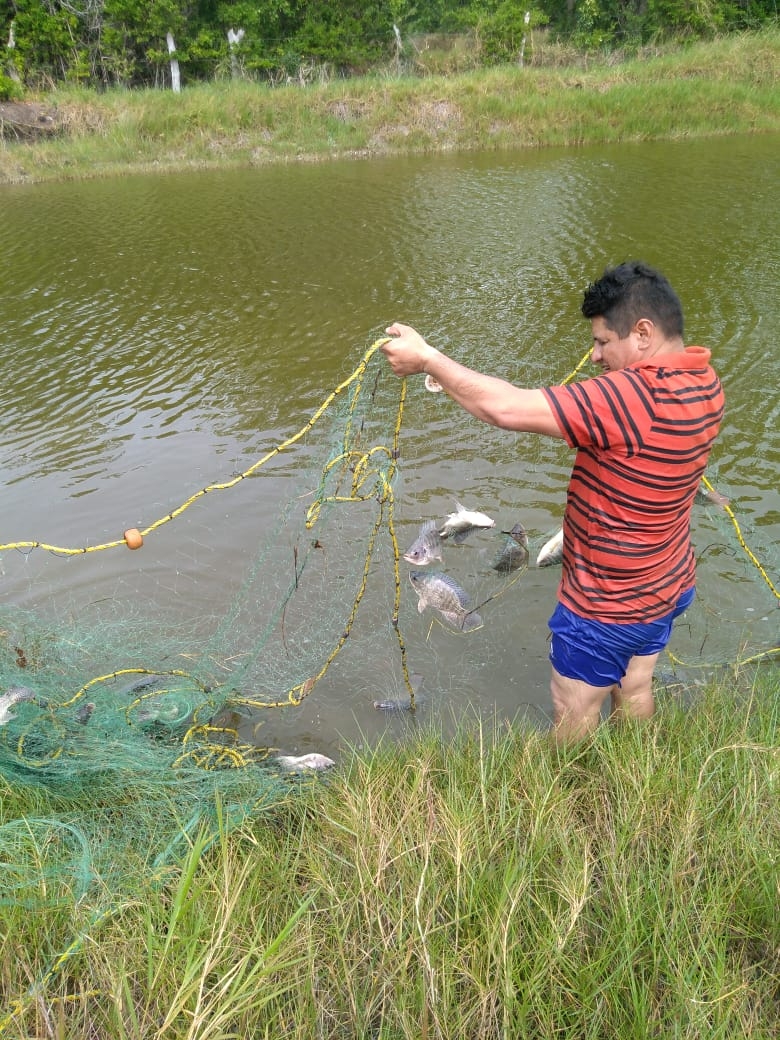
633	698
576	707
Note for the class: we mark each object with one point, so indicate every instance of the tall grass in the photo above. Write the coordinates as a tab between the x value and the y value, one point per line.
490	886
719	87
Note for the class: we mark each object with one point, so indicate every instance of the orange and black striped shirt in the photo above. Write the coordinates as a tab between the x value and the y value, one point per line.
643	436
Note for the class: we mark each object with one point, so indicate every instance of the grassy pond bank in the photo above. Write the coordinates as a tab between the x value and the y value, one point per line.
486	887
726	86
482	887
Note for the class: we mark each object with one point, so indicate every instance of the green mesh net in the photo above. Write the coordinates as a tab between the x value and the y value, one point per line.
157	717
132	682
113	687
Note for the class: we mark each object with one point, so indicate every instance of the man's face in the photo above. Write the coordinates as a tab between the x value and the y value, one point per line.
610	351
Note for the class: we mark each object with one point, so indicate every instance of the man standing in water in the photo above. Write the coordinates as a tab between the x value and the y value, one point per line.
643	430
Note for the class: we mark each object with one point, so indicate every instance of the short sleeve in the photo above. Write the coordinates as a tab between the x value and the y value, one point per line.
611	412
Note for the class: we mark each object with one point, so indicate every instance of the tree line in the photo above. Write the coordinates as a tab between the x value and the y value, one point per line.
136	43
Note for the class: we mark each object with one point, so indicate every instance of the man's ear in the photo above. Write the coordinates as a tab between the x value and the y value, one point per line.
645	331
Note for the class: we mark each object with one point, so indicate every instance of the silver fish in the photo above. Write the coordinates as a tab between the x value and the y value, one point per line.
442	593
432	385
399	704
705	494
551	553
426	547
295	763
13	695
463	522
162	708
514	552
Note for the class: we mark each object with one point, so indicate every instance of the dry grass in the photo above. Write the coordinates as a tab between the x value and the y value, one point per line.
723	87
484	888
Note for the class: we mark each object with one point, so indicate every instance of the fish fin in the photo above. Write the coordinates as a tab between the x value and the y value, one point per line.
460	536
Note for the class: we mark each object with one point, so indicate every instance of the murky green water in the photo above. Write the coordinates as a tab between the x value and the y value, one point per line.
161	333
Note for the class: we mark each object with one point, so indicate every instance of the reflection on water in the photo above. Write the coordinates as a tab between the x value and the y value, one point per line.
163	333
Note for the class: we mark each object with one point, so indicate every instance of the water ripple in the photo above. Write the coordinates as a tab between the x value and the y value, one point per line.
160	333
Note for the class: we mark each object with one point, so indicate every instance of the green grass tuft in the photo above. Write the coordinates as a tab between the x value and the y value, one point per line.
489	886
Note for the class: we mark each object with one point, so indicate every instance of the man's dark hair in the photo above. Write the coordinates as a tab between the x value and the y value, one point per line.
631	291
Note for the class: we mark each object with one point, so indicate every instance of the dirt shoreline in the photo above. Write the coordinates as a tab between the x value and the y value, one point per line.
27	120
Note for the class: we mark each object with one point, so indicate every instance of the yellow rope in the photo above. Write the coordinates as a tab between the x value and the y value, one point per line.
576	370
736	665
125	671
382	490
730	512
18	1007
223	486
372	473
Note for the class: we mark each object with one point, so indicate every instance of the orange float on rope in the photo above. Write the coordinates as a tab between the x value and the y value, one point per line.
134	538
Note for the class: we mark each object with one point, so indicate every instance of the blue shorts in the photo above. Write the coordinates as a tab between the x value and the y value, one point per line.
598	653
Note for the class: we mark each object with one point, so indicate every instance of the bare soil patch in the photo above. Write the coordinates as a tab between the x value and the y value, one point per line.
27	120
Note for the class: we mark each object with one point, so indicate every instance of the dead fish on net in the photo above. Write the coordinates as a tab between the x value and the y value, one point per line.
463	522
514	552
298	763
399	704
426	547
162	709
14	695
443	594
551	553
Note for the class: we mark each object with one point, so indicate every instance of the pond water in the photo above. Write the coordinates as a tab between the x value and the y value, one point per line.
162	333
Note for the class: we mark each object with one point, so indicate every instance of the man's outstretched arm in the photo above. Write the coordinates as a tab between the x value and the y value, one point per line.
494	401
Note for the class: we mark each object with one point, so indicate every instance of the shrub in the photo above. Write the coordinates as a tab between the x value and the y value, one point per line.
10	89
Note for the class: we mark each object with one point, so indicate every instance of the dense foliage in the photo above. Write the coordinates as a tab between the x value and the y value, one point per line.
128	42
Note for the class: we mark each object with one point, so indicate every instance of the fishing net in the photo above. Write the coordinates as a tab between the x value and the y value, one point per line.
158	708
138	710
110	685
142	676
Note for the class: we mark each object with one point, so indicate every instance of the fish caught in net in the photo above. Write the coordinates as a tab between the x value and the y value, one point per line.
153	707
